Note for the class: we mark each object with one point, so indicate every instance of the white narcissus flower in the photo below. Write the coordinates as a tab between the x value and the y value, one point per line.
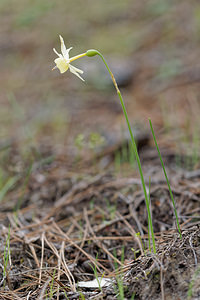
63	61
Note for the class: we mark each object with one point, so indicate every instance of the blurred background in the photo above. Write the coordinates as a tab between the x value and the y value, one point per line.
152	46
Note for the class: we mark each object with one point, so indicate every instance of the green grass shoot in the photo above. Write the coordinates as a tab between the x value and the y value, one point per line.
119	289
94	268
192	283
26	180
6	253
7	186
150	210
166	177
51	291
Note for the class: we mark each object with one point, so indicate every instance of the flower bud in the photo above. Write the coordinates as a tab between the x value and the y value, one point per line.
92	52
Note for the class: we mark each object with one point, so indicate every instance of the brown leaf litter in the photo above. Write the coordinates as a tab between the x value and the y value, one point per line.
71	223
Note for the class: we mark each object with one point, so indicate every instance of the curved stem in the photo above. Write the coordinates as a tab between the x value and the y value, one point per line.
134	147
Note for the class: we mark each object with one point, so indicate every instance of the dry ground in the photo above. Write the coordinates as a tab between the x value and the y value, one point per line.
72	208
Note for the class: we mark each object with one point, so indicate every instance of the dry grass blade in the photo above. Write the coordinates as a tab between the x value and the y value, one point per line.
69	274
83	240
132	232
58	276
191	245
34	254
134	215
162	280
9	296
98	243
66	269
42	293
42	257
96	263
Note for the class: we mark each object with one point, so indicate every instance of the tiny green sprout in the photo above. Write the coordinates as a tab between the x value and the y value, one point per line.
95	140
82	297
119	288
135	252
6	254
79	141
139	236
94	268
192	283
51	292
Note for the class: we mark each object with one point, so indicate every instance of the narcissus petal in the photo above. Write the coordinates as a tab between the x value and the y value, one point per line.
61	64
64	51
76	71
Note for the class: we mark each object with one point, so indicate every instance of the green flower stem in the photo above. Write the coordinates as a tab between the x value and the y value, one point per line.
150	212
166	177
91	53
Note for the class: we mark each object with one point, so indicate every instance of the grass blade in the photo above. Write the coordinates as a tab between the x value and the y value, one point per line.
9	184
166	177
